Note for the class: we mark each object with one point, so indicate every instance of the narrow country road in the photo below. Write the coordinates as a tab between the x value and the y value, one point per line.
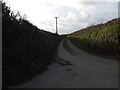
76	69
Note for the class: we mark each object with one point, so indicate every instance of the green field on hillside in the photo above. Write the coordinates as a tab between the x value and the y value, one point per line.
102	38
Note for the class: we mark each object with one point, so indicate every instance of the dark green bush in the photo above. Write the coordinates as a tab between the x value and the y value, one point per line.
26	49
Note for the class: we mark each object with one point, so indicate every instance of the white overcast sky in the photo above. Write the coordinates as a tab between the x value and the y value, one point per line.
73	14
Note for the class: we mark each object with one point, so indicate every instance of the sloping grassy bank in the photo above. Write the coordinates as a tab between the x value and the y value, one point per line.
101	39
26	49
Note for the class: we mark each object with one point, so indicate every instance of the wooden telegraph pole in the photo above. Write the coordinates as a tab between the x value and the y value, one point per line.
56	25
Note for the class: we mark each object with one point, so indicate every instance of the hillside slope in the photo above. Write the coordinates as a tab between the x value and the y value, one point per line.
102	38
26	49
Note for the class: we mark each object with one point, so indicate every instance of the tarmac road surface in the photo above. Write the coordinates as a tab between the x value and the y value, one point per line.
76	69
